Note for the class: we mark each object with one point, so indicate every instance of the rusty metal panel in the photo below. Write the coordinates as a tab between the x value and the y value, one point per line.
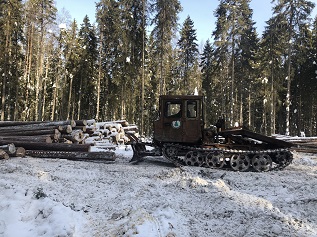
272	142
176	122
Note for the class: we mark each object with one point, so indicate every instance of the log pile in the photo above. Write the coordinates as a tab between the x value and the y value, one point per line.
302	144
305	144
62	139
107	135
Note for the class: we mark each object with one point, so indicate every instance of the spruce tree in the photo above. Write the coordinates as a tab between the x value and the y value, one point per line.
271	56
246	63
209	85
295	13
86	77
188	56
121	25
235	43
112	59
165	25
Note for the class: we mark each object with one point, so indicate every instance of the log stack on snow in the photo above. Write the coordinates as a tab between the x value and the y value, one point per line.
107	135
62	139
302	144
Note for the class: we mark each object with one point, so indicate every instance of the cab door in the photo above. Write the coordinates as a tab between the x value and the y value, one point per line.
192	122
173	119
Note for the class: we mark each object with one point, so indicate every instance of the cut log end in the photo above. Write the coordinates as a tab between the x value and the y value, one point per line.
9	148
3	154
20	152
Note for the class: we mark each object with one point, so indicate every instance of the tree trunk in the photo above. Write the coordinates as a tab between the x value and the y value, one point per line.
38	138
289	61
6	65
37	123
81	122
28	72
48	146
99	75
70	96
73	155
39	74
79	98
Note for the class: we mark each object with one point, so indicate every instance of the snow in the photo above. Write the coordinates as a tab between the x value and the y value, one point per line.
55	197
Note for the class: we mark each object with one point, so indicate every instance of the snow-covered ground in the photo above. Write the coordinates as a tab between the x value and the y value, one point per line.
54	197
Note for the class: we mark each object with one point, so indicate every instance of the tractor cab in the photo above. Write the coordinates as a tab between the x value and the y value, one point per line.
180	119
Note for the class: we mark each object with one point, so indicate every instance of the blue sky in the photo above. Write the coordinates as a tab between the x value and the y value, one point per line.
200	11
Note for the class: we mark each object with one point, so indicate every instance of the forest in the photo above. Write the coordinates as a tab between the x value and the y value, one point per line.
55	68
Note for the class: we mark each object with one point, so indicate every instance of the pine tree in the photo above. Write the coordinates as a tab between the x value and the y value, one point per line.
11	39
40	14
72	57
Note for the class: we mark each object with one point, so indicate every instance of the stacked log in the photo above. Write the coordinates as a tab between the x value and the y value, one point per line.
112	132
302	144
34	131
63	139
307	144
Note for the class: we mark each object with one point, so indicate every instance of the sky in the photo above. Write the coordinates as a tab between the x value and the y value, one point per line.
200	11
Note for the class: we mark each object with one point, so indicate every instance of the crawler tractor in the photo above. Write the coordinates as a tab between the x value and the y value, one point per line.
181	137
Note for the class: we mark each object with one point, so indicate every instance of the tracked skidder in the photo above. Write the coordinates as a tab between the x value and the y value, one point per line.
181	137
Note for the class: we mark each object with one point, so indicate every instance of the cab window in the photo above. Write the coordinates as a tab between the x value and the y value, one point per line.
191	109
173	110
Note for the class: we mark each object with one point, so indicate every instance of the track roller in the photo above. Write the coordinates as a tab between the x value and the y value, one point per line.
215	160
169	151
194	158
240	162
262	162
